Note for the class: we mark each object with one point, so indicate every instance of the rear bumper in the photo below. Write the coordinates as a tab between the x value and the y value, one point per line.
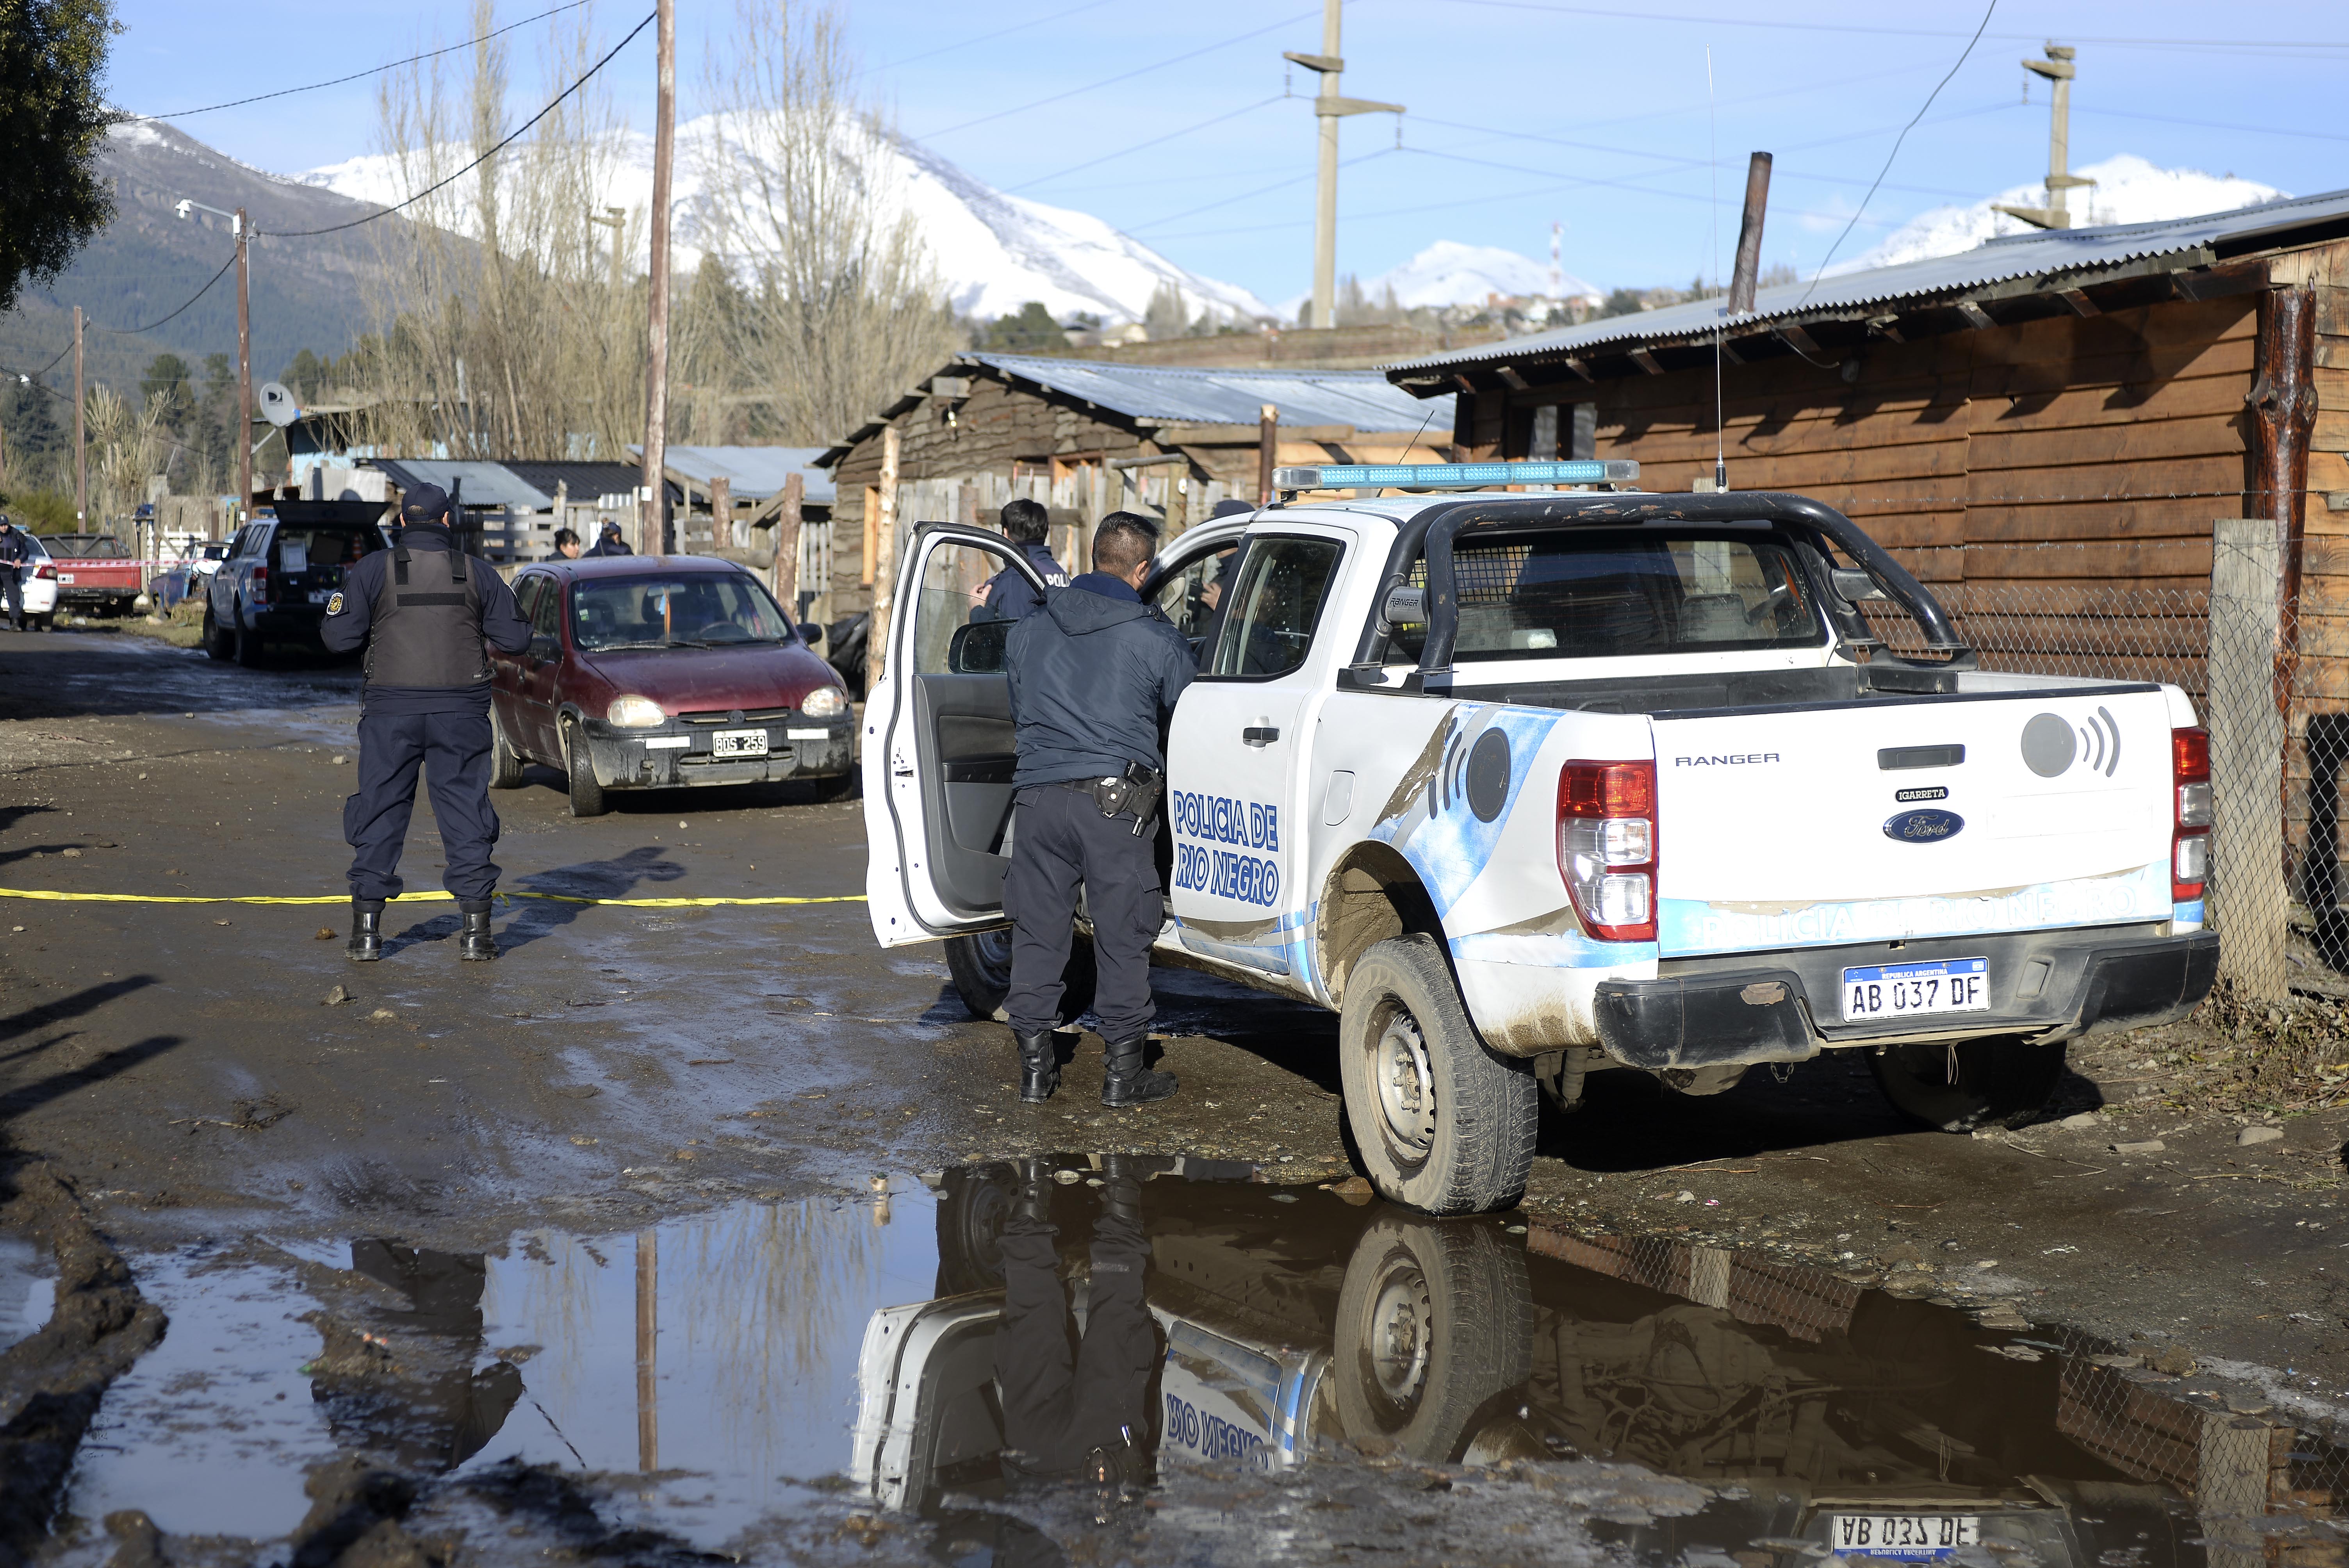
2059	987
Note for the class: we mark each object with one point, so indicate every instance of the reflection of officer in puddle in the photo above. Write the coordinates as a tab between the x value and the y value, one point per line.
1087	1416
410	1392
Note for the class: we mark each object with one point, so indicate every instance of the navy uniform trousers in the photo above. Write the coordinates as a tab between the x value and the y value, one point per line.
453	750
1058	1409
1061	843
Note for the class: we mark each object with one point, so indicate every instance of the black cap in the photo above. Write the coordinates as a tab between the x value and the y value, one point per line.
611	527
424	504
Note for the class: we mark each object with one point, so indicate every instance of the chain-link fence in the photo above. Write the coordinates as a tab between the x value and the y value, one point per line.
2216	619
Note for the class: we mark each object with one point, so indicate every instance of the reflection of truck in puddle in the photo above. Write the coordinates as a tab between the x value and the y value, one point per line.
1831	1419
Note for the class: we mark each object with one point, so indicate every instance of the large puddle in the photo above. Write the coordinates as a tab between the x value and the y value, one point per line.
1102	1321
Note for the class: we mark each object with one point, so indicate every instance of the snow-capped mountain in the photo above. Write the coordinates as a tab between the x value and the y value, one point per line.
2128	190
994	251
1449	272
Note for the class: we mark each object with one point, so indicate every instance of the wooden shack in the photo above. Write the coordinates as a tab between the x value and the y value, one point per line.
1089	437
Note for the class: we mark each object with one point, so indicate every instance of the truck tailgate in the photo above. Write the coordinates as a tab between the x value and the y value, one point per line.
1991	811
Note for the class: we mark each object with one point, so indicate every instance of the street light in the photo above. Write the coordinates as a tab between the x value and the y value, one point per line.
244	231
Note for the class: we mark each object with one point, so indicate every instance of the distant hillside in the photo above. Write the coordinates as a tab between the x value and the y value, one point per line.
306	293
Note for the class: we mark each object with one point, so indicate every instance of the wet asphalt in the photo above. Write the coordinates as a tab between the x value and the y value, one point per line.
767	1071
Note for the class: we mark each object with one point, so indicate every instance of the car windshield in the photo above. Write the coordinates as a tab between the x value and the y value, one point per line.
699	610
1593	594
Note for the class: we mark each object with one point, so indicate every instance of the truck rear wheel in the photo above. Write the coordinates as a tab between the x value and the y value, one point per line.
217	643
2002	1081
1433	1320
1444	1125
981	966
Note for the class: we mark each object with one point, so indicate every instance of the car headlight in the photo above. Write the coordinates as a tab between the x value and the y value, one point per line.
633	713
825	702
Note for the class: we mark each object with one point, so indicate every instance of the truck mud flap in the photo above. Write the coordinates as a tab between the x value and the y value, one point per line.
1711	1020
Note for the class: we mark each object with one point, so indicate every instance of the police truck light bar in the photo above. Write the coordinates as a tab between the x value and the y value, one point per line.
1453	476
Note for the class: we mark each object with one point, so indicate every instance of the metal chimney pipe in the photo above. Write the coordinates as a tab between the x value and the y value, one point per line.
1749	236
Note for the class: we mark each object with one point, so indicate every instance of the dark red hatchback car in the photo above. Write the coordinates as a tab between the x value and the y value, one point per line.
665	672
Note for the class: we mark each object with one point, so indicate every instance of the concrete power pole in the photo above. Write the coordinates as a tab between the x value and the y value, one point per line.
652	537
81	451
2056	68
1329	108
243	365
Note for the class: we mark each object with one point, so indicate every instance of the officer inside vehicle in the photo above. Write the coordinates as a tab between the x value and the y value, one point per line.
1007	595
16	550
422	609
1093	679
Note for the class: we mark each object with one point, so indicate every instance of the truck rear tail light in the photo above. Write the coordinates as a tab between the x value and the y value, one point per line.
2189	839
1607	847
260	584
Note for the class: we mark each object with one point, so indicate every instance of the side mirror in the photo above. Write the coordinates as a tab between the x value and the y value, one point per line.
811	634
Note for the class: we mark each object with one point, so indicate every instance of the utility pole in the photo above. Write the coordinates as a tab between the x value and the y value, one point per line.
81	451
244	366
1329	108
2056	68
654	525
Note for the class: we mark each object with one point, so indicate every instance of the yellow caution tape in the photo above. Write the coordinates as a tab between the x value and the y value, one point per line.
414	898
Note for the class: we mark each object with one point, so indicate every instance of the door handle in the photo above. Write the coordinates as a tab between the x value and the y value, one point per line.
1259	735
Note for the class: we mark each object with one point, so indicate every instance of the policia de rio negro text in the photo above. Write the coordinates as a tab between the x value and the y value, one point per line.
1093	674
423	608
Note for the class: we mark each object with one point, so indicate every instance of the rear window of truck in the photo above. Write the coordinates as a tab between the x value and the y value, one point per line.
1601	595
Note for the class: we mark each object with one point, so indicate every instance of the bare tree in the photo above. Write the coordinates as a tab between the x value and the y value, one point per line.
126	442
833	306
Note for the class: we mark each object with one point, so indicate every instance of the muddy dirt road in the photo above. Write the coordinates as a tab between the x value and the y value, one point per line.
685	1229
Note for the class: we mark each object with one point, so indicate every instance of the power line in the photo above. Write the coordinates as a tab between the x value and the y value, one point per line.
131	331
1123	76
355	76
990	37
2209	124
1140	145
1964	54
1259	190
492	152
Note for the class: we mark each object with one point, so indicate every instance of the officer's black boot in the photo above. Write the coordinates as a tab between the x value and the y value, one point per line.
1121	1192
1125	1080
475	941
366	930
1034	1204
1040	1066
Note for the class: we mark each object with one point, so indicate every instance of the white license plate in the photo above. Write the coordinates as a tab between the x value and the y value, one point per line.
1907	990
65	576
739	743
1910	1535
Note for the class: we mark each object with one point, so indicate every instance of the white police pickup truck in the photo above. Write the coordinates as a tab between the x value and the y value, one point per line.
1523	786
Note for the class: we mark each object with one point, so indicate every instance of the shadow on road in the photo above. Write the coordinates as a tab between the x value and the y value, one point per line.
536	919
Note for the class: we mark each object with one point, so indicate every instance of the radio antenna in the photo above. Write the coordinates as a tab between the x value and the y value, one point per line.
1712	161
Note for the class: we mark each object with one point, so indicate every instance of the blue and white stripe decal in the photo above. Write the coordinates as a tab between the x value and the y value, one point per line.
1448	844
1688	926
2186	915
1568	950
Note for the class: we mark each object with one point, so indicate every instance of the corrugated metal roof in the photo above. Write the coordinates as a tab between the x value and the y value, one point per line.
2043	256
754	473
1363	398
485	484
587	481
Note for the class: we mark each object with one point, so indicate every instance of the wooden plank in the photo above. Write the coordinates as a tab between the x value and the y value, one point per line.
2331	432
2086	406
2177	598
2213	475
2183	559
2153	519
2145	441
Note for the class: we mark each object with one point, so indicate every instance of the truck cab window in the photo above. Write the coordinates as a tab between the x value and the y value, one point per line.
1188	597
1272	609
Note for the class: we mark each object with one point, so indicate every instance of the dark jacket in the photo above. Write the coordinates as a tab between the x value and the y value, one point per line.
350	614
1010	596
1091	680
608	544
15	547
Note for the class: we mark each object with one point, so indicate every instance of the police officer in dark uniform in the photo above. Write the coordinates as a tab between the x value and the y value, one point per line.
1008	596
1093	678
422	609
15	551
609	542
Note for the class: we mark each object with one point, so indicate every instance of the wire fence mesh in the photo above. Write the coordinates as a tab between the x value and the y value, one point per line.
2216	619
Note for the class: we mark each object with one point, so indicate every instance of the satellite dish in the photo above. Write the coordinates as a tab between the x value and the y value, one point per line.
277	404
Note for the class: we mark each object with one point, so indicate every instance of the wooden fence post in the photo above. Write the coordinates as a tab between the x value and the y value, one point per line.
2247	901
722	514
883	532
787	545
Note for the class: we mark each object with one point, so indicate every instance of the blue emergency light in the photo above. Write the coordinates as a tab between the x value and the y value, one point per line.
1453	476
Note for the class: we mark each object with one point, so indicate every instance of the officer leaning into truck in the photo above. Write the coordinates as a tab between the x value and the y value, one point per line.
422	609
1093	677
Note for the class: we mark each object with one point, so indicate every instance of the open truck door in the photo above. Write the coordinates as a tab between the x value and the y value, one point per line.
938	751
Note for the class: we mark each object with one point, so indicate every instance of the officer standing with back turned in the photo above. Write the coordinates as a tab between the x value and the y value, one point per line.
422	609
1093	675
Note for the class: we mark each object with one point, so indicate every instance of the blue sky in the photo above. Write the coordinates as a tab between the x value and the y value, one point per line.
1522	112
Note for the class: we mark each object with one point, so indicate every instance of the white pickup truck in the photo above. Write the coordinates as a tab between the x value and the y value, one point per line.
1523	786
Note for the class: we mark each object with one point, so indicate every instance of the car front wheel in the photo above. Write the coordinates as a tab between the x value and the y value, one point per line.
2002	1081
587	798
1444	1125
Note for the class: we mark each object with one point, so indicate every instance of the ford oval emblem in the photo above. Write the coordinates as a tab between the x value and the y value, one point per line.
1924	827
